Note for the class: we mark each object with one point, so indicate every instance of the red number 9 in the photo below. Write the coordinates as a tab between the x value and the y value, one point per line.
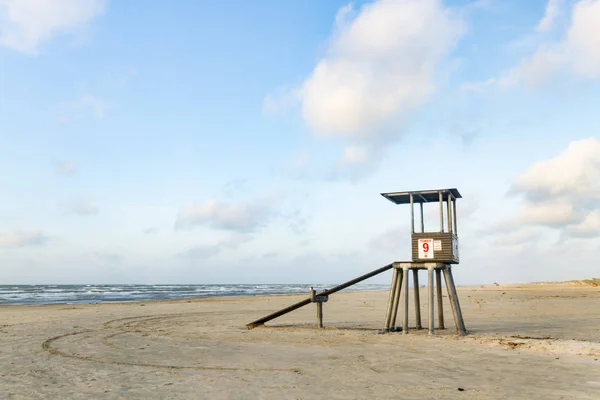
425	247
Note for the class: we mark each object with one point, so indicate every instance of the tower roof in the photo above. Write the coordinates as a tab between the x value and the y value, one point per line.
421	196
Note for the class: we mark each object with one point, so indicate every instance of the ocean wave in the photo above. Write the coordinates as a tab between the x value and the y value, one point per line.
90	293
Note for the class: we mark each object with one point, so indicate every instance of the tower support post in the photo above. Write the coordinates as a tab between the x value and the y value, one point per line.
399	295
417	299
440	302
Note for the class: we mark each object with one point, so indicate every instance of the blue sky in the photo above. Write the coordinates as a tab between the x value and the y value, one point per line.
230	142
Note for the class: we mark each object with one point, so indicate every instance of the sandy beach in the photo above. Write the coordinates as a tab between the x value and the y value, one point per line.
525	342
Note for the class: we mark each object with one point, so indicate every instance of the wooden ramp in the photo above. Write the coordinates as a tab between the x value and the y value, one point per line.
308	300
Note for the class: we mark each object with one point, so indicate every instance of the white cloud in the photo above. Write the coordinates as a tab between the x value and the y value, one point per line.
535	70
26	24
521	238
466	208
479	86
583	39
201	252
242	217
271	254
235	240
552	214
204	251
564	192
109	257
16	239
66	167
355	155
380	64
121	79
95	104
296	221
575	172
300	162
578	52
280	100
234	187
552	11
394	239
85	207
588	227
82	106
354	167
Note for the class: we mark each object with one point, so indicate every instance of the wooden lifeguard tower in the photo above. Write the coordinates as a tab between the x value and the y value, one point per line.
434	251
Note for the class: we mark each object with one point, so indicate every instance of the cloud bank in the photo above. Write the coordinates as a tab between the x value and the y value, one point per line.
17	239
26	24
242	217
85	207
563	193
577	53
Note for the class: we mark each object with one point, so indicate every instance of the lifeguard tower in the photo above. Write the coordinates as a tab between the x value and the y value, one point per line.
434	251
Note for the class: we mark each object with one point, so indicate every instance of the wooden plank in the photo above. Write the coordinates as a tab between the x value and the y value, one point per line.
405	305
396	299
417	299
388	314
440	304
458	318
430	302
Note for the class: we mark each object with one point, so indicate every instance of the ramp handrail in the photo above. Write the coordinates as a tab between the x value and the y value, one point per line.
302	303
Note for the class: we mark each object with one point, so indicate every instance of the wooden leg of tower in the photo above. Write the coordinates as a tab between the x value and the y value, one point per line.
405	308
431	300
396	300
451	297
417	299
440	304
388	315
462	328
458	319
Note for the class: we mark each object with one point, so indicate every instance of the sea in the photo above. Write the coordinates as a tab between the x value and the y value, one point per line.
96	294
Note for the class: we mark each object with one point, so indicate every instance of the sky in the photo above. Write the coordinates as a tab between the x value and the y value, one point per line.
248	142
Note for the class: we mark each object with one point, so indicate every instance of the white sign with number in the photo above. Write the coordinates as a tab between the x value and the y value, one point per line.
425	248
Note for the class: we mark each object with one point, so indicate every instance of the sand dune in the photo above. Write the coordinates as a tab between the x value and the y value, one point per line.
525	342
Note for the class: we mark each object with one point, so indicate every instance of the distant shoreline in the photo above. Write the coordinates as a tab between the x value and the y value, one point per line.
130	293
236	297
